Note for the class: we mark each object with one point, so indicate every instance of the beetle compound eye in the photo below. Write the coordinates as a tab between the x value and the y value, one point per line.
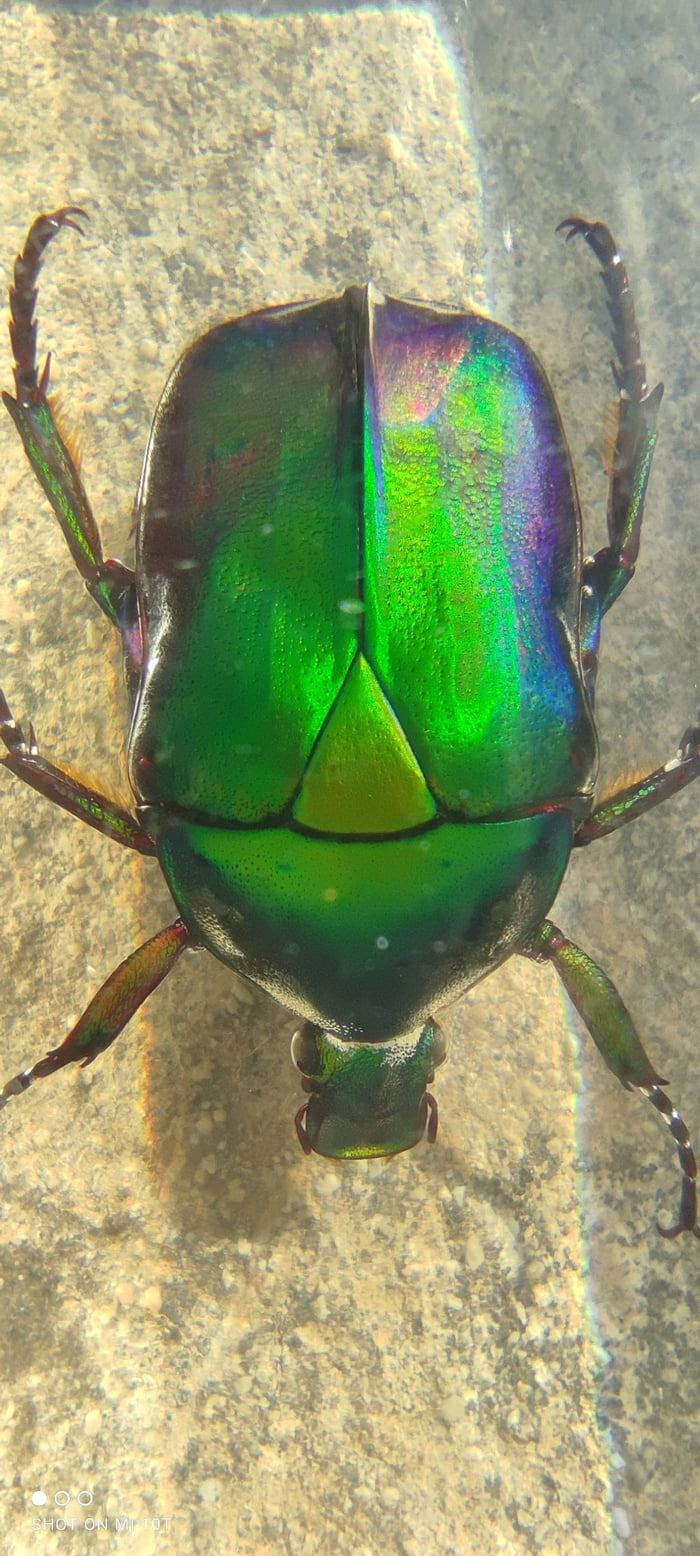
306	1050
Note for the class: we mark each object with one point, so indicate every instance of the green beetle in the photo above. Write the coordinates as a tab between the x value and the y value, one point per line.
361	645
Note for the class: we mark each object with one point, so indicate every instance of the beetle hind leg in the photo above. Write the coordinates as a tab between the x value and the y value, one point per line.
111	584
598	1003
111	1008
607	573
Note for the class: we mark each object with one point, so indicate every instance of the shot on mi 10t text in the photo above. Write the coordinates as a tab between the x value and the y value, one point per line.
360	640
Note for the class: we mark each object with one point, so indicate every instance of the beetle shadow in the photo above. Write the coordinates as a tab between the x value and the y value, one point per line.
221	1094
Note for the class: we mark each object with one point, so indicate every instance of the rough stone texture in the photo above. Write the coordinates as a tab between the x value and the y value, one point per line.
198	1325
603	119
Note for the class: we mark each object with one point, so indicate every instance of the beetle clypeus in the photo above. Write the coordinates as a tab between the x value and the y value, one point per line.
361	644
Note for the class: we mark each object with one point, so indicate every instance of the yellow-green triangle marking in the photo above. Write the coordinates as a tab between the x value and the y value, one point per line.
362	775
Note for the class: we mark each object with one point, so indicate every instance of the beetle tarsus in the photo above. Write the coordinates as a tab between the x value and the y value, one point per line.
629	371
16	1086
49	455
23	295
635	438
596	234
688	1213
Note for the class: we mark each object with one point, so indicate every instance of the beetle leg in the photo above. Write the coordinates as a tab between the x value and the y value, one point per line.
614	1034
110	583
110	1010
63	788
611	568
626	803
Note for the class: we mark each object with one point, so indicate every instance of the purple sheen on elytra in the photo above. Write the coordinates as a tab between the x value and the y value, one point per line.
400	459
472	547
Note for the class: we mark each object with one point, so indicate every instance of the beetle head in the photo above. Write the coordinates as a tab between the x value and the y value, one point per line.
366	1099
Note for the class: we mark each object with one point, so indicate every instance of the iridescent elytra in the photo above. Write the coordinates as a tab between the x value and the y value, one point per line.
361	641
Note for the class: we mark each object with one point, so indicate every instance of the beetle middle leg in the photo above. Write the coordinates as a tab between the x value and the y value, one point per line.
615	1036
630	800
111	584
64	788
607	573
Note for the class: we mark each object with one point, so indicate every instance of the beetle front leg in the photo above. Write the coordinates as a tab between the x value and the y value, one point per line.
614	1034
64	789
611	569
112	1007
110	583
633	799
